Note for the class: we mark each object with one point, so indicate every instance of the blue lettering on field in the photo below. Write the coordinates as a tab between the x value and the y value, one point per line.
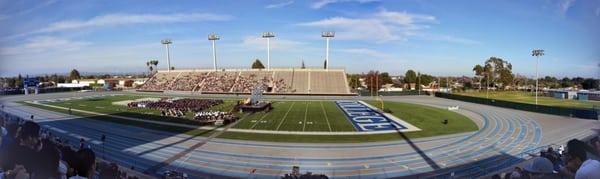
364	118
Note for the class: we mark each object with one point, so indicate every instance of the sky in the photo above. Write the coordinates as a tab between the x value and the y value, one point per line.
437	37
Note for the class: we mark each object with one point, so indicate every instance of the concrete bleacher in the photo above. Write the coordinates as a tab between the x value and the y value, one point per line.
328	82
274	81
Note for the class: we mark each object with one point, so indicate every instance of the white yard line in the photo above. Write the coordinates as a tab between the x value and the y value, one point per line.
284	116
261	118
326	118
305	114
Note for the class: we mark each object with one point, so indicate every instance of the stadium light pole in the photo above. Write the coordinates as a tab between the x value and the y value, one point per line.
327	36
214	37
537	53
268	36
418	85
167	42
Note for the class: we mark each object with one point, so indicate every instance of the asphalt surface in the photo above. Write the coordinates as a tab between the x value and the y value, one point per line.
503	137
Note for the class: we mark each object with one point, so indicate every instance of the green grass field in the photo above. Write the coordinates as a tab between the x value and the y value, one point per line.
428	119
529	98
299	116
285	116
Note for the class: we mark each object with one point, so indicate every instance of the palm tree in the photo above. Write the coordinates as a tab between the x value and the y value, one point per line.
478	69
152	64
149	68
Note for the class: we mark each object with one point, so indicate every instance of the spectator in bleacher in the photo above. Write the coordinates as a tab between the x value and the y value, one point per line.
85	166
110	172
11	134
3	131
48	161
21	155
573	158
516	173
578	161
540	167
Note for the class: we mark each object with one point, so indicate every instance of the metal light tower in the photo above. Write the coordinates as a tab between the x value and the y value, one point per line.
214	37
268	36
327	36
537	53
167	42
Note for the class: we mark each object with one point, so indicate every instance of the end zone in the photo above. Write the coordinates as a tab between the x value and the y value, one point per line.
366	118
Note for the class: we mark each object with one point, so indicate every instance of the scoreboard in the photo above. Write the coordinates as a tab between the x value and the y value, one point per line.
30	82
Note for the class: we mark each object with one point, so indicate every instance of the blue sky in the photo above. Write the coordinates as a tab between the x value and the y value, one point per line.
437	37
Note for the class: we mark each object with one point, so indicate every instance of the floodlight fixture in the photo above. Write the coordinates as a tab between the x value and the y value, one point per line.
167	42
214	37
327	35
537	53
268	36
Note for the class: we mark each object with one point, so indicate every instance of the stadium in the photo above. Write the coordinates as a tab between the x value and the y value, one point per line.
272	123
294	121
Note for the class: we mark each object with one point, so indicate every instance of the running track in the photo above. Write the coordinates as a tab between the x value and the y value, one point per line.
503	133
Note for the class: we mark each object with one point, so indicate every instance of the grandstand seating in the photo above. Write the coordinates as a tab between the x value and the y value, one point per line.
275	81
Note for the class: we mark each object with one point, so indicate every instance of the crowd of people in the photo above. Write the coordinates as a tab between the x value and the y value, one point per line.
217	82
28	151
281	87
186	82
578	160
246	84
181	105
157	82
212	116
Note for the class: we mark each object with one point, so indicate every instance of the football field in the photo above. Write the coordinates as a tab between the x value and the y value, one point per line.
299	116
290	117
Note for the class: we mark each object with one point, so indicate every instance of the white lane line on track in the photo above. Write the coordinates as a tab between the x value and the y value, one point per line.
285	116
326	118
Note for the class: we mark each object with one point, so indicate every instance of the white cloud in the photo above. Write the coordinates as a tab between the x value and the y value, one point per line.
275	43
34	7
43	44
279	5
565	5
447	38
322	3
381	27
366	52
126	19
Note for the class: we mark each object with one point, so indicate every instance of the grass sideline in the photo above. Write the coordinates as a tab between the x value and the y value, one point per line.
173	129
529	98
